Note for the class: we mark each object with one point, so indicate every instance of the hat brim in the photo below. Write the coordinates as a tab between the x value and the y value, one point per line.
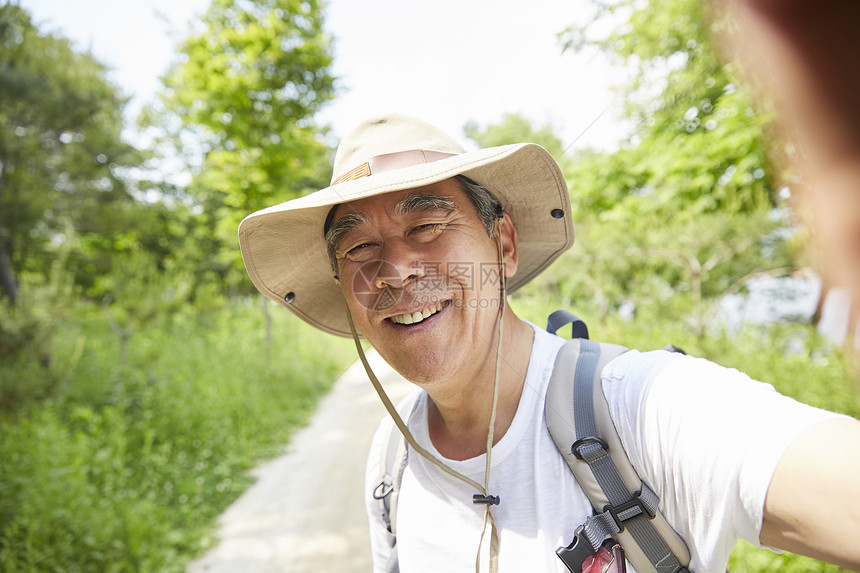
284	248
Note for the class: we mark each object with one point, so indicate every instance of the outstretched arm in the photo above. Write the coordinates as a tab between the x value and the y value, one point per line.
813	502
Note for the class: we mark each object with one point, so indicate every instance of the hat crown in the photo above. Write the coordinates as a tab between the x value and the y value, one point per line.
390	133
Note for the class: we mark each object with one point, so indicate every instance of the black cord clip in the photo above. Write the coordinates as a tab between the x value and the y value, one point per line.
486	499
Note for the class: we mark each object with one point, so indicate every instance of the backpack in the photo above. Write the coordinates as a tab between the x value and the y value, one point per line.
577	416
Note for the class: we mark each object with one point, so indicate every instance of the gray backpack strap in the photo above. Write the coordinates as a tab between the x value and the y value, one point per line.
391	467
625	507
564	317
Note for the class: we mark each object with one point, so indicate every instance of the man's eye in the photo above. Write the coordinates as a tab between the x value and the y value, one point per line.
427	229
357	250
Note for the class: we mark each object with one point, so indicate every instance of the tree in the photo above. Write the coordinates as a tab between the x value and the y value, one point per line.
698	142
60	148
685	210
240	106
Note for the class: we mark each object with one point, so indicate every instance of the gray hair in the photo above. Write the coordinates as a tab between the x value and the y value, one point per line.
486	206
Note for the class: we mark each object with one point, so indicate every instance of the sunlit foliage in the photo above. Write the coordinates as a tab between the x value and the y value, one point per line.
60	156
240	104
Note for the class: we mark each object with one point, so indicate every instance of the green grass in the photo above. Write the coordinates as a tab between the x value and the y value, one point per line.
126	468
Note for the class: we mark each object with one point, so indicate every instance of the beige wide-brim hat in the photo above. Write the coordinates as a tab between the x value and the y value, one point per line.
284	246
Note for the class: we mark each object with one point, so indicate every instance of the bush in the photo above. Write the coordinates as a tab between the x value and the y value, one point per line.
24	357
126	468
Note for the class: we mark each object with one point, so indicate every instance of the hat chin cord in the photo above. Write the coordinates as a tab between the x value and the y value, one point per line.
484	496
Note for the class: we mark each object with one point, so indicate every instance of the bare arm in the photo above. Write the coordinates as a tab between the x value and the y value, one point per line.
813	502
802	57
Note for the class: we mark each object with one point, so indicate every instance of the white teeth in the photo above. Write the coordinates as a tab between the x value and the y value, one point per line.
417	316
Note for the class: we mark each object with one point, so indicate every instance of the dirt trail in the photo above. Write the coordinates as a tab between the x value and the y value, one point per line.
305	514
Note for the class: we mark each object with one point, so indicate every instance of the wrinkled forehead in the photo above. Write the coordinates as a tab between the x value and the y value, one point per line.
445	195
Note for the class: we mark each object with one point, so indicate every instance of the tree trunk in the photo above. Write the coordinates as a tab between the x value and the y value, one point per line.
819	307
8	284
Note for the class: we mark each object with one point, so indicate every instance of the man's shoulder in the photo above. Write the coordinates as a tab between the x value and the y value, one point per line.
662	384
644	365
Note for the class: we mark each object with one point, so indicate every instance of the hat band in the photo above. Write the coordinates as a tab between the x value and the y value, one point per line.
392	161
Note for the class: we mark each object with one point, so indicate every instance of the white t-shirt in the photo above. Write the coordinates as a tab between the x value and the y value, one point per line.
705	438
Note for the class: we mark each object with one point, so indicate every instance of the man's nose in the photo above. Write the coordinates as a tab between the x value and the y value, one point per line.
400	266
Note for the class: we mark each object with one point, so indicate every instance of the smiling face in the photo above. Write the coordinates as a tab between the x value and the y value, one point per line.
420	275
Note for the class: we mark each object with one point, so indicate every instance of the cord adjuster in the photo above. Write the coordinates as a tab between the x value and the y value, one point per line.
480	499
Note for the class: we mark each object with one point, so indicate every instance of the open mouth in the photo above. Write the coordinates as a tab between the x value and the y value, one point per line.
418	315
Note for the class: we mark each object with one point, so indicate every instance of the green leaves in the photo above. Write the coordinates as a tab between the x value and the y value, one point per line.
685	211
240	105
698	142
60	147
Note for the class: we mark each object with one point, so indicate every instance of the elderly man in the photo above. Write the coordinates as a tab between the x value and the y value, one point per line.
414	247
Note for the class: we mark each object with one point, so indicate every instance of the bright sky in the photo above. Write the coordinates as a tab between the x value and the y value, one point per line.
447	62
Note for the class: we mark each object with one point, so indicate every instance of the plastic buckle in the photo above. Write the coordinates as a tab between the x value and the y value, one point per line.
577	552
574	449
636	502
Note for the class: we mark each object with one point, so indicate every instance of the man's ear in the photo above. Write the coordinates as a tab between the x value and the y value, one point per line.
508	236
